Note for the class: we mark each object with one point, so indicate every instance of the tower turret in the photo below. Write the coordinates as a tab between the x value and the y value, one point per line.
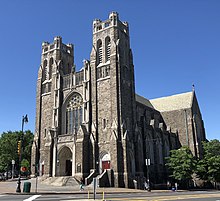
56	62
113	101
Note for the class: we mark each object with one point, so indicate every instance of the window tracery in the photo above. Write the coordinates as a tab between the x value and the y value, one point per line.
74	113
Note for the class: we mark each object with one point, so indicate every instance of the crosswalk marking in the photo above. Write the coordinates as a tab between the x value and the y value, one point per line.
32	198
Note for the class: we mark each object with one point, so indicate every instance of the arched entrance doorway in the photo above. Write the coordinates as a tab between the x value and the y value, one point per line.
105	161
65	161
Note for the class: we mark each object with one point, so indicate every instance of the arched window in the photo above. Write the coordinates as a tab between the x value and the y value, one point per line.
100	52
74	113
159	150
166	148
44	70
50	68
107	49
149	143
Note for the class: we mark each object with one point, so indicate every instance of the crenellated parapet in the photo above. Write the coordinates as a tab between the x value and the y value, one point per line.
57	45
113	21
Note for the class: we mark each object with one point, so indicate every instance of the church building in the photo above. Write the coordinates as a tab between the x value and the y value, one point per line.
91	123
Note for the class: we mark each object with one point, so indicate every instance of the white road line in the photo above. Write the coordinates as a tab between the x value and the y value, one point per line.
32	198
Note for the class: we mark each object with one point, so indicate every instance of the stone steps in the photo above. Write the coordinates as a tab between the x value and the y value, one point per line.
60	181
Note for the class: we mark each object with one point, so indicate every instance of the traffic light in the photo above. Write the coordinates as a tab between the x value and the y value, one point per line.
19	147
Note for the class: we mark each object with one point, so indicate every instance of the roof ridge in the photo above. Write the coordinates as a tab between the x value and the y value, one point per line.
174	102
171	95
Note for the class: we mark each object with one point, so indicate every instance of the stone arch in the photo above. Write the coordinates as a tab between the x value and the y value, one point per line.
65	161
72	113
105	160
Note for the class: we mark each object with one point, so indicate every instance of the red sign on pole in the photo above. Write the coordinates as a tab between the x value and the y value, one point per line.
23	169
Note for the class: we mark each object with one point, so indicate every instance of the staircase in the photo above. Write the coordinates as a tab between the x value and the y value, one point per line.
61	181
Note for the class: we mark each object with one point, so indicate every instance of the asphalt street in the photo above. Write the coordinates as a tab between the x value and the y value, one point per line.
71	193
186	196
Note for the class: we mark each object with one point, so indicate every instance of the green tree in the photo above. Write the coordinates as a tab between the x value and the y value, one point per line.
8	148
208	168
181	164
27	144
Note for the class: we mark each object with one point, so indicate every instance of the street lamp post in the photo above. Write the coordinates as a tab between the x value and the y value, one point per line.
24	120
13	168
36	166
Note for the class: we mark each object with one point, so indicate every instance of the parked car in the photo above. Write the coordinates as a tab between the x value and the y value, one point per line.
8	175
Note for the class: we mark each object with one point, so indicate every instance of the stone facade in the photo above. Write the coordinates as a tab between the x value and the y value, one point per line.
181	112
91	123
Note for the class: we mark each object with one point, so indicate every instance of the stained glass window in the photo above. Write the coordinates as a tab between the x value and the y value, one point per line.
74	114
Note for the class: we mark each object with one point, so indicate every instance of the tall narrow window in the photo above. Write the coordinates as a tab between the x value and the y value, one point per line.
74	114
107	49
104	123
100	52
45	132
44	70
159	151
50	68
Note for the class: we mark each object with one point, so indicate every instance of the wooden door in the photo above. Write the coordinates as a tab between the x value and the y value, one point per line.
105	165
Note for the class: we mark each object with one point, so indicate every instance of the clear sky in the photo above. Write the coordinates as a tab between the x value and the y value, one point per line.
174	43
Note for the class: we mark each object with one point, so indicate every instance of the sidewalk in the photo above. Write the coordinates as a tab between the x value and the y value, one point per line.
9	187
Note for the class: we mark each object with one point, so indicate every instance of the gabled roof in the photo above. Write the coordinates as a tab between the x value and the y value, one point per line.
143	101
174	102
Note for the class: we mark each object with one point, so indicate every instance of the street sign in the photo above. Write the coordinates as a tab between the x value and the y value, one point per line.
23	169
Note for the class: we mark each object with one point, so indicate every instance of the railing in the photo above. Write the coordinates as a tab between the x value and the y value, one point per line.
68	80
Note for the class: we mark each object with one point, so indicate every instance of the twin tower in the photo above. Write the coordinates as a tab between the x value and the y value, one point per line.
85	120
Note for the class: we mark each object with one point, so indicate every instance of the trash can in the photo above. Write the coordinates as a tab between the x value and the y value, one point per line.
27	187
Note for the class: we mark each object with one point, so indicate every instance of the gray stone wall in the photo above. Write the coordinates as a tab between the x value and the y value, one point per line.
157	141
112	97
189	125
113	122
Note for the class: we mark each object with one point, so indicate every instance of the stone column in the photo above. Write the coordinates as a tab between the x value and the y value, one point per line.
74	157
54	172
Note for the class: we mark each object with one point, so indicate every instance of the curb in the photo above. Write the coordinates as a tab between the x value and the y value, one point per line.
73	193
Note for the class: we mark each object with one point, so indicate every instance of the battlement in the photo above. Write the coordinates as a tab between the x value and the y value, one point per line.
57	45
113	20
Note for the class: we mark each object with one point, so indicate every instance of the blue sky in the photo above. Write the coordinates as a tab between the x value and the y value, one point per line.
174	43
